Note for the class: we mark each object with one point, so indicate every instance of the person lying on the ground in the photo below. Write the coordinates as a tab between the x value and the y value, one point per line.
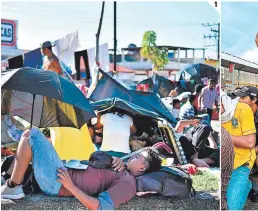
94	188
242	131
199	147
187	111
194	143
117	128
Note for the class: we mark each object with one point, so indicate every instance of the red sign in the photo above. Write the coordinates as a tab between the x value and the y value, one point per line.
8	33
231	67
142	87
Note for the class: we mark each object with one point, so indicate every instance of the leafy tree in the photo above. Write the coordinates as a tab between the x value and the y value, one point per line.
149	50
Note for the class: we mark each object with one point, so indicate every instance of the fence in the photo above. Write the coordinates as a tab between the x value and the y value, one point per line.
238	78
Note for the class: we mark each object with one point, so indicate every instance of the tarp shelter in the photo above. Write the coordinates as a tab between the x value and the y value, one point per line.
196	74
50	85
197	71
159	84
108	87
111	103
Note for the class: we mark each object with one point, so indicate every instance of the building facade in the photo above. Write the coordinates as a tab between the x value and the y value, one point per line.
9	45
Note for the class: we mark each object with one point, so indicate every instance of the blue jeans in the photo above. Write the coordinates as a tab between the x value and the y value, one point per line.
45	162
238	188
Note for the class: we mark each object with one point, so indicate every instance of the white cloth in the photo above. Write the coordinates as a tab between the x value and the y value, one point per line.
183	95
175	113
116	132
167	102
65	47
229	107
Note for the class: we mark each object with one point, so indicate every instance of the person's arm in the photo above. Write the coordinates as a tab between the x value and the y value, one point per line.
184	123
200	99
99	124
217	106
90	202
133	129
57	66
247	142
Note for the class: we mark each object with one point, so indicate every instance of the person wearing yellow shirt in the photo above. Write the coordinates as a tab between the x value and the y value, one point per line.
241	127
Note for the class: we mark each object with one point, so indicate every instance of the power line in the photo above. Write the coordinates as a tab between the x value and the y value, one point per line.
215	35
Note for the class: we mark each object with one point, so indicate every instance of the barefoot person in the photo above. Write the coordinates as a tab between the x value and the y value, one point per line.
50	62
94	188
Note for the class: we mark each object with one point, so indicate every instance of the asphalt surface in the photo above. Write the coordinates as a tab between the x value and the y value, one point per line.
42	202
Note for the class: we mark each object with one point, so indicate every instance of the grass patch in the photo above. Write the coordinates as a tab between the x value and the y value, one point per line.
205	181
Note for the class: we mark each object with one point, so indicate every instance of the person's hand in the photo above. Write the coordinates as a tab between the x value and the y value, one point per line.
196	122
256	40
65	179
200	163
118	164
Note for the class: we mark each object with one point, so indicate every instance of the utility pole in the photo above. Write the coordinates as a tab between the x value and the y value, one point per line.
98	32
115	42
215	35
97	38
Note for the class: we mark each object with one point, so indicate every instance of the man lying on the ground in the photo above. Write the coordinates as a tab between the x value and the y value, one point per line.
112	188
199	147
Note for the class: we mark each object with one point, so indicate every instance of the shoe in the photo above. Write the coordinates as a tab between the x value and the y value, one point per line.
12	193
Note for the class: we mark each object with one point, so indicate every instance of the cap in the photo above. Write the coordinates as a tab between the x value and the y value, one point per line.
246	91
47	44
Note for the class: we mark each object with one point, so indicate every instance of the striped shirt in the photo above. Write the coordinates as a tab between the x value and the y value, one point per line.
187	111
227	162
208	97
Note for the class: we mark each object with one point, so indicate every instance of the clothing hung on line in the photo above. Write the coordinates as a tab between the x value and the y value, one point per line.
33	59
15	62
65	47
82	65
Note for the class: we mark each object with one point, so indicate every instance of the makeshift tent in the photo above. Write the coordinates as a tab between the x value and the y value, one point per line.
197	71
48	112
107	87
195	74
159	84
48	84
135	110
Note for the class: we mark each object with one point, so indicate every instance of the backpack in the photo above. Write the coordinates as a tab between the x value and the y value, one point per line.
168	181
29	182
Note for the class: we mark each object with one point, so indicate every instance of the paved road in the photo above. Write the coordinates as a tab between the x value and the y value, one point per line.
41	202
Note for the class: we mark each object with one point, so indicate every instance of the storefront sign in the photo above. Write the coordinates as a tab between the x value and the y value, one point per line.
9	33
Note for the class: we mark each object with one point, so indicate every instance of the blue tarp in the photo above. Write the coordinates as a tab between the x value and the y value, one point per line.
33	59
